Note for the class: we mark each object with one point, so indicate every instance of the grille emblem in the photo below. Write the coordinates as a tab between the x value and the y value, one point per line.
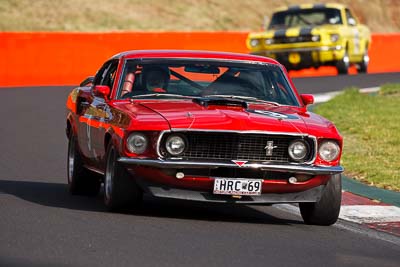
240	163
269	148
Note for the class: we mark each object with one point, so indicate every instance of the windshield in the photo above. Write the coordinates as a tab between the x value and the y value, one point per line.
305	17
181	78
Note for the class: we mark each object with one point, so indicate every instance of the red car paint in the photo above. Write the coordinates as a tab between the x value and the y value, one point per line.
96	121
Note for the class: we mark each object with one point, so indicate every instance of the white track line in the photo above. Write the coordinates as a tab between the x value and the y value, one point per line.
370	214
321	98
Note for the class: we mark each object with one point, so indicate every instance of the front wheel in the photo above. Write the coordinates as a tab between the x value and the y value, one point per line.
326	210
81	181
120	189
343	65
363	65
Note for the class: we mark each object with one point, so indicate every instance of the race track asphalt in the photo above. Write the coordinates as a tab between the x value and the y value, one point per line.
311	85
42	225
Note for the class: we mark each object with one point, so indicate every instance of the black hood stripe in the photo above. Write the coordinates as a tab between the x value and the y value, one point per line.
306	31
280	33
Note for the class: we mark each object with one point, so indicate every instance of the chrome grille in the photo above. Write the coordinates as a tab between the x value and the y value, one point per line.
236	146
294	39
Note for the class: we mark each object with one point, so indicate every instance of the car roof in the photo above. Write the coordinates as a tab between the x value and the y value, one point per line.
192	54
310	6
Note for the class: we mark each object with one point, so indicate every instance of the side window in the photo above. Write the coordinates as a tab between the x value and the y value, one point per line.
350	18
110	74
100	73
106	75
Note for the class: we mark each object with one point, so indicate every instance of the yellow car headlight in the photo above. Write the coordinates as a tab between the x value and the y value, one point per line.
334	37
254	42
315	38
269	41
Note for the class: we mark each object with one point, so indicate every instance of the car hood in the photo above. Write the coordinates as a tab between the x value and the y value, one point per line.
295	31
256	117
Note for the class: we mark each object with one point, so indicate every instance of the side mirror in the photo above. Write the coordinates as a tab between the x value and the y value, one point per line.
352	22
307	99
102	91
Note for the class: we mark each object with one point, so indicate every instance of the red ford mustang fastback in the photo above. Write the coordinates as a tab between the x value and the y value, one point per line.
203	126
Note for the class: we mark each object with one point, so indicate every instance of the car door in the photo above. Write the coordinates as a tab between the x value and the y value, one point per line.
102	114
354	40
96	115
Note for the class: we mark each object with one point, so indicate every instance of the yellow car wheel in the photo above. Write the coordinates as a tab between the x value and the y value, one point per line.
343	65
363	66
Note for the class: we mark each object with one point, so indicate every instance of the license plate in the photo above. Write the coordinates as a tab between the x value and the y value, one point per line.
226	186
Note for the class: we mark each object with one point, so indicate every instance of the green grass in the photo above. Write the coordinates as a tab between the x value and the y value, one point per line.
370	125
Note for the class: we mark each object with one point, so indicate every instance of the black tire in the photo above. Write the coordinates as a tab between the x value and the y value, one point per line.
81	181
343	65
326	210
363	65
120	189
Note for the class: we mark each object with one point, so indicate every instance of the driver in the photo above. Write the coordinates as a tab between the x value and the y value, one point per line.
156	79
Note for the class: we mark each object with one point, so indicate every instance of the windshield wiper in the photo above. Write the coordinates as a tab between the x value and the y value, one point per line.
234	96
247	98
219	101
158	94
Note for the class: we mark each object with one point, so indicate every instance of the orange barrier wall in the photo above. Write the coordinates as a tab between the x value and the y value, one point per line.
55	58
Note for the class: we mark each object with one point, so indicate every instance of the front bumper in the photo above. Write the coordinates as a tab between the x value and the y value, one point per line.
308	56
310	195
299	49
182	164
157	177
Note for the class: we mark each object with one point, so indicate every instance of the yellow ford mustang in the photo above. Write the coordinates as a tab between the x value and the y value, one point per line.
304	36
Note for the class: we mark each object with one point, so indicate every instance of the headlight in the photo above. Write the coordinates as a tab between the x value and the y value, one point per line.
334	37
254	42
137	143
175	145
315	38
329	151
298	150
269	41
